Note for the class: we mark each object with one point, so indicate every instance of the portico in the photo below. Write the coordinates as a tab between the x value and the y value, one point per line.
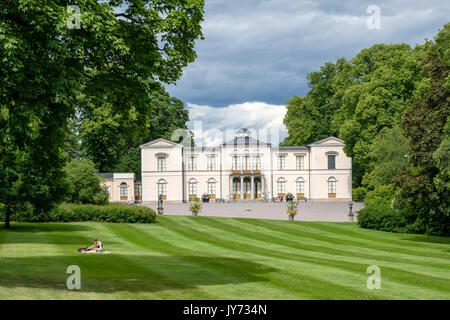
246	185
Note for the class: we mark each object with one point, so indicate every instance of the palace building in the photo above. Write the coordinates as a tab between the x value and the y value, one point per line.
241	169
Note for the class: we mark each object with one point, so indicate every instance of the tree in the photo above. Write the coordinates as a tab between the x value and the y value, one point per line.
425	126
112	139
84	186
313	112
389	154
123	51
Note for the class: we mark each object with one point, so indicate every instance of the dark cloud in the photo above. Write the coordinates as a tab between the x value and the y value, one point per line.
261	50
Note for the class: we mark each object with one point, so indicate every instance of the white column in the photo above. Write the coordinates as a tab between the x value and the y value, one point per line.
242	187
231	188
252	188
262	186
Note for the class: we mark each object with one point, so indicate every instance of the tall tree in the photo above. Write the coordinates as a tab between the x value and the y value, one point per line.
425	126
123	50
112	139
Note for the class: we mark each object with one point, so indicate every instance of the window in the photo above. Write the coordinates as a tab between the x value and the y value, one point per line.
300	162
281	162
192	163
331	161
281	187
123	191
212	188
246	164
162	189
331	187
162	164
192	188
138	192
300	184
257	163
211	163
235	163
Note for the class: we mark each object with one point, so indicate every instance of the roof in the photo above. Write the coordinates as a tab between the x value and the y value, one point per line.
239	141
106	175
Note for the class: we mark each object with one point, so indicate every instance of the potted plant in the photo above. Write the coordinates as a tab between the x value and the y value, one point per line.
289	197
205	197
291	209
195	206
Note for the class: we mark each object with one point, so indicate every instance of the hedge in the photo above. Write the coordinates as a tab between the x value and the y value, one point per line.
68	212
380	216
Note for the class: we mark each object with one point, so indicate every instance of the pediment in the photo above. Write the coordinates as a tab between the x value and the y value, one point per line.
160	143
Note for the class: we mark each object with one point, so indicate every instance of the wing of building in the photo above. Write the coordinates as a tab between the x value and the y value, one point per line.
245	168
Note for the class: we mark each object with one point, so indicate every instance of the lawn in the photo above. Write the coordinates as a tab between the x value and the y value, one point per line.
221	258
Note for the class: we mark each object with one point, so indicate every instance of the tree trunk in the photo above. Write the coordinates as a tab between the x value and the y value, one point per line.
8	214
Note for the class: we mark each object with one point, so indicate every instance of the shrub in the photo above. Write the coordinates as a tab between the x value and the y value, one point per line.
291	208
195	205
380	216
359	194
122	213
381	194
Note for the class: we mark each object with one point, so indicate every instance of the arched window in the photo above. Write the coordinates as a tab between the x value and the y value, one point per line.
192	188
211	187
123	191
162	189
281	184
332	187
300	185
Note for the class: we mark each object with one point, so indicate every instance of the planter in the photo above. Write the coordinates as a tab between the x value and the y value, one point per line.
194	213
291	217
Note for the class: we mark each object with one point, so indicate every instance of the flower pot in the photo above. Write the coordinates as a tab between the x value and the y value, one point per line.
194	213
291	218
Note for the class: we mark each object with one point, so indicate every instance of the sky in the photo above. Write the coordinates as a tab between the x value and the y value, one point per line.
257	53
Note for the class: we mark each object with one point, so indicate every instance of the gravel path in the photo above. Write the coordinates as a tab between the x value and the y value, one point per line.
308	211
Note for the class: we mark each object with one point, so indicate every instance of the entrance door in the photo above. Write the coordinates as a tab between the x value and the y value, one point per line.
247	188
237	188
257	188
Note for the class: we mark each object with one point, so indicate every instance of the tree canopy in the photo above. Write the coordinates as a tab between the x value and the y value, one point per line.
123	51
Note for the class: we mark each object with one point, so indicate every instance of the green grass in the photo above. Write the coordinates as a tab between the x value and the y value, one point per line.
221	258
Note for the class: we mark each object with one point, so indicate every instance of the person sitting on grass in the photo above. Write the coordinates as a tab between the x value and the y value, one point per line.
97	247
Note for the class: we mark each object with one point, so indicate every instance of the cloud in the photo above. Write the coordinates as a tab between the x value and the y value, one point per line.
214	126
262	50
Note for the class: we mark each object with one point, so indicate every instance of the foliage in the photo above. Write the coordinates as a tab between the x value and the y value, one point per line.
424	125
123	51
122	133
381	194
389	154
381	216
121	213
195	205
84	186
292	208
359	194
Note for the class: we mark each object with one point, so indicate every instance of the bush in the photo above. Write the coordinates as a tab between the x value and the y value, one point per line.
381	194
121	213
359	194
380	216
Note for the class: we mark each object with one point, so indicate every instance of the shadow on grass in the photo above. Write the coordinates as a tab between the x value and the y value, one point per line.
109	273
428	239
61	233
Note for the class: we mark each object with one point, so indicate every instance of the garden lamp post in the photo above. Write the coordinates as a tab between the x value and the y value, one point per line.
351	216
160	205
